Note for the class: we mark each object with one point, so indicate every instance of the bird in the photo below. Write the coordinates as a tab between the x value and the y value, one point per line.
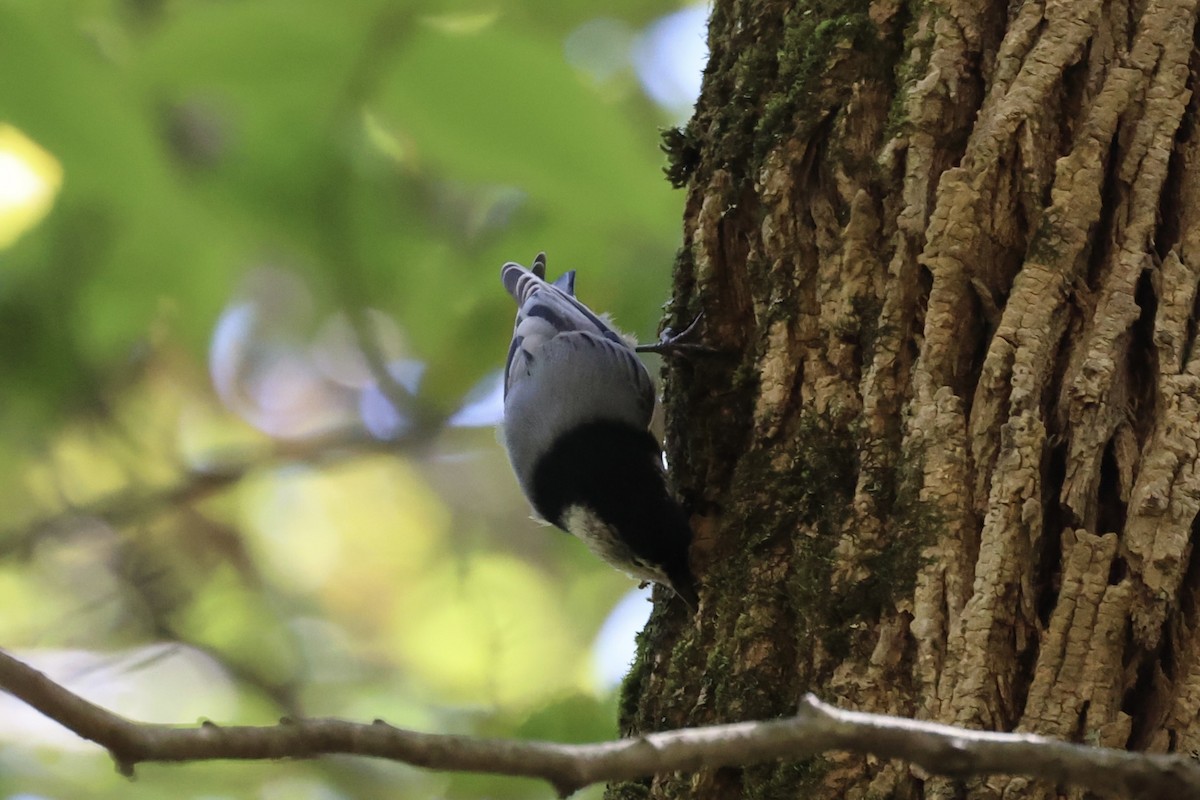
577	407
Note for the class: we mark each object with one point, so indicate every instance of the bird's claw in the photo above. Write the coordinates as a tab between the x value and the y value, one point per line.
671	343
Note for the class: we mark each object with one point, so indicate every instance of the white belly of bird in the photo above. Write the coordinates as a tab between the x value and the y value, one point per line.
601	540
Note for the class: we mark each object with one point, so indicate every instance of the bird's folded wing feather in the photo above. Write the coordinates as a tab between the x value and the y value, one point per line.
546	312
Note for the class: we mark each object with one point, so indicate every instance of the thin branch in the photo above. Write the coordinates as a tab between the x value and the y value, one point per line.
384	38
817	728
131	505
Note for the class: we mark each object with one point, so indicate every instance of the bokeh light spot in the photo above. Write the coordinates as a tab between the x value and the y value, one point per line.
29	181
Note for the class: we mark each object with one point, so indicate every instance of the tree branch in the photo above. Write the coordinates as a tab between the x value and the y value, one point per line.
223	471
817	728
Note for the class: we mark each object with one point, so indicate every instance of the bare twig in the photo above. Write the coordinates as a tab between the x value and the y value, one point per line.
817	728
135	505
391	26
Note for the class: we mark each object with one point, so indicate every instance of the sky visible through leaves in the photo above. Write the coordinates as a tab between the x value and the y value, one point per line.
220	225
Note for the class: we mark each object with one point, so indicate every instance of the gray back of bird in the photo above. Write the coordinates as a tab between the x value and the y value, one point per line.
566	367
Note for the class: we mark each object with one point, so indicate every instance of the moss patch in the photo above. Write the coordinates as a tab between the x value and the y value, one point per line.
785	780
628	790
779	74
820	37
682	148
829	464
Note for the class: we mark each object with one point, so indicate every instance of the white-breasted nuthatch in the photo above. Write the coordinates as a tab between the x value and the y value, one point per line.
577	408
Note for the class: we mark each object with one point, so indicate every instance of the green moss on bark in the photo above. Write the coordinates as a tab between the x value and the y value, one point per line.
785	780
803	58
826	473
682	148
819	35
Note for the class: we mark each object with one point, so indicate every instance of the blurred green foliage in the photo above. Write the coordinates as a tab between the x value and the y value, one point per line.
197	523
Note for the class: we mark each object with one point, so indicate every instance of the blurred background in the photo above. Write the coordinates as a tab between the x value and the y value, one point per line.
251	330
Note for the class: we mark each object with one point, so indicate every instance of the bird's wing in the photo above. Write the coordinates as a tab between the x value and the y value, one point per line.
548	311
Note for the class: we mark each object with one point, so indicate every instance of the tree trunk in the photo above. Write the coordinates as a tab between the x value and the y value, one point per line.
949	466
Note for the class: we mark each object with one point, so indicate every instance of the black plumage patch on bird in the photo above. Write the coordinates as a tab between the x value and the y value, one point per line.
615	470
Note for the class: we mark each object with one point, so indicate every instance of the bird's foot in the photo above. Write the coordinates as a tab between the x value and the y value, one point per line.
671	343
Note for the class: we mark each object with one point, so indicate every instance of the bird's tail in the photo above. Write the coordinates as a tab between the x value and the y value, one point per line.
521	282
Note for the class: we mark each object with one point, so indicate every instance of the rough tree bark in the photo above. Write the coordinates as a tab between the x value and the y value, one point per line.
950	468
